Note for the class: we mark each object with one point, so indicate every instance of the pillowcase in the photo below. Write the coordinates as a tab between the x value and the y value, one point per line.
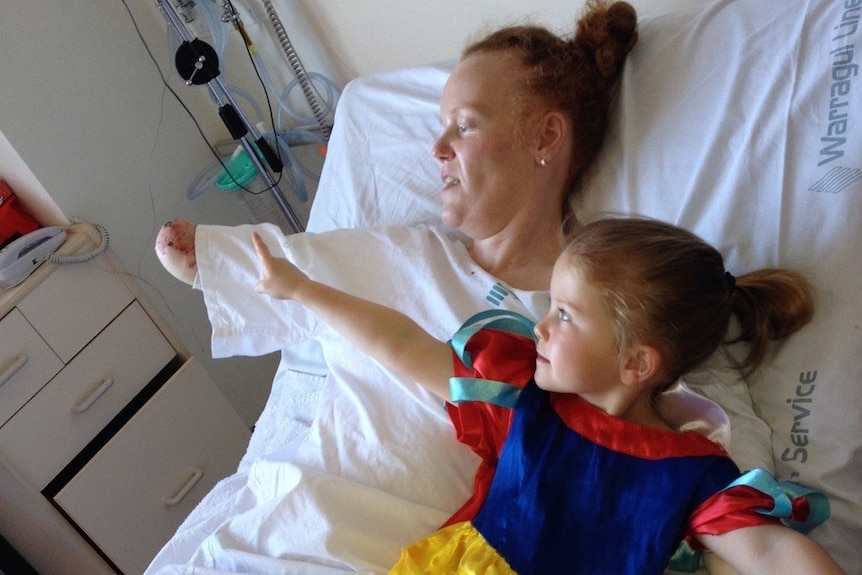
379	169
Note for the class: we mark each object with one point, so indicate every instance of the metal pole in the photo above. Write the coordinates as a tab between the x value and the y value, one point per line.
230	111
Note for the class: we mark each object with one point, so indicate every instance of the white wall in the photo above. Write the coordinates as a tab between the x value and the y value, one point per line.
86	121
369	36
35	197
84	108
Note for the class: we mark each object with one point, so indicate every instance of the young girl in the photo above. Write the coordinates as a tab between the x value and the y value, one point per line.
580	472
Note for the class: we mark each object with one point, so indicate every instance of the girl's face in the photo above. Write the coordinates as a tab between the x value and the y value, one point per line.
577	348
485	157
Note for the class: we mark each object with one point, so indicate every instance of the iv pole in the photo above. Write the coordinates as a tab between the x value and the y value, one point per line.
197	63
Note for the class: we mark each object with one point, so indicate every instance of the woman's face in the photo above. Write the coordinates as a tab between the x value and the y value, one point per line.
484	150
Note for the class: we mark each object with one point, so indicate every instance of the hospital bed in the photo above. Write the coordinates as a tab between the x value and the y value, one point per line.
740	120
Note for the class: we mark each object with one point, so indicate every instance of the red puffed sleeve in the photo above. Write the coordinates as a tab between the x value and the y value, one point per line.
500	357
757	498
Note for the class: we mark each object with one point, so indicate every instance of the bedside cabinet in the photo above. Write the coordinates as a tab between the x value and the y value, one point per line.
110	433
11	561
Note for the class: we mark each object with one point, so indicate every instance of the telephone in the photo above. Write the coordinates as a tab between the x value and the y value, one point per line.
20	257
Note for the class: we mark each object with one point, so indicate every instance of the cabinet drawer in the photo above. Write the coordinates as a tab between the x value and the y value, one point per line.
67	413
134	493
74	303
26	363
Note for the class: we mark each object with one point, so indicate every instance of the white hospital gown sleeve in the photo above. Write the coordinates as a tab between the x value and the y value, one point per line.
243	321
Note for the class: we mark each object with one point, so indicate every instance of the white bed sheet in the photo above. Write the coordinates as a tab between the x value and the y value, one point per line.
347	496
741	121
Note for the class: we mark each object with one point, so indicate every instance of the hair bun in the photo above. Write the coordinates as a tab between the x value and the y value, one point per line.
622	24
607	33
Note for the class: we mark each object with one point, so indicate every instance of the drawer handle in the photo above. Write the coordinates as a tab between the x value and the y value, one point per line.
88	401
197	473
19	362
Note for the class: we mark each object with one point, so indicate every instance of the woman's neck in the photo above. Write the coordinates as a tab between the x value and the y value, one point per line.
523	261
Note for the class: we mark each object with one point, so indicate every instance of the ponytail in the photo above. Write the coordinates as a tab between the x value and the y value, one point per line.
771	304
665	287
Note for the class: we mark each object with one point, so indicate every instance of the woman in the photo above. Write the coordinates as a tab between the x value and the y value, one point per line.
523	115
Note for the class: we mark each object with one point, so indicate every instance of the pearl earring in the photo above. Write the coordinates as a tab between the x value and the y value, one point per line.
543	162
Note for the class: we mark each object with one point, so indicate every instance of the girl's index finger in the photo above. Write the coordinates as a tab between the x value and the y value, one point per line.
260	246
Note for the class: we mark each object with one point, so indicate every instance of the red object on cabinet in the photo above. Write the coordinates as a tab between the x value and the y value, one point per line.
14	219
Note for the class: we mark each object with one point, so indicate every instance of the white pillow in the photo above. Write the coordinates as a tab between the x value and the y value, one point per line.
743	123
379	169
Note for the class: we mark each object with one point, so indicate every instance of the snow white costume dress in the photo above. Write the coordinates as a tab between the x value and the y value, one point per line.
564	487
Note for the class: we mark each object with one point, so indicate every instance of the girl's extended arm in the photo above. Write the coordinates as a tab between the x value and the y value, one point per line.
771	549
384	334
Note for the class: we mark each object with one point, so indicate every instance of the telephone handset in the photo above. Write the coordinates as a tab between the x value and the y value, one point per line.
20	257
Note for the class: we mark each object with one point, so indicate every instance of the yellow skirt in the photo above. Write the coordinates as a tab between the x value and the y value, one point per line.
457	549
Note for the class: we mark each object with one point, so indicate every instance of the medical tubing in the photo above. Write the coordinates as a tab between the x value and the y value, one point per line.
303	137
294	173
215	25
286	143
330	99
205	179
258	111
297	67
283	105
238	123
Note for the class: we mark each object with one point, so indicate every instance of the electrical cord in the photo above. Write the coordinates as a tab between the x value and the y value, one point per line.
82	258
173	92
168	86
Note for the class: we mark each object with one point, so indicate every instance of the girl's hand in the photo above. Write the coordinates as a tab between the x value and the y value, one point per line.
388	336
279	278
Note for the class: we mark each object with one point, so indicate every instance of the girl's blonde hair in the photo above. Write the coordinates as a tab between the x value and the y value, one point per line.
667	288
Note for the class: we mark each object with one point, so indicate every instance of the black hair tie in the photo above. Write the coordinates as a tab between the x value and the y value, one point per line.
731	281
